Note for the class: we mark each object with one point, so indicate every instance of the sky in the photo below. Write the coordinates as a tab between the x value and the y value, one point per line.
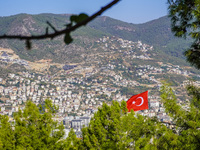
131	11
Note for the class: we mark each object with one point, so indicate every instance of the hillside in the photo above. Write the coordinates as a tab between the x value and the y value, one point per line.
99	66
156	33
110	69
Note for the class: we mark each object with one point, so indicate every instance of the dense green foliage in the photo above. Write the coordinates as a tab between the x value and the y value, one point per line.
187	122
185	21
32	128
113	128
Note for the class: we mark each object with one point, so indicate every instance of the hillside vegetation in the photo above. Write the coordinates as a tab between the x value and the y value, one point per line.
156	33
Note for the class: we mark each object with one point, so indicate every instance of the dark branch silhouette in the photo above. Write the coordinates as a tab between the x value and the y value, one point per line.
56	33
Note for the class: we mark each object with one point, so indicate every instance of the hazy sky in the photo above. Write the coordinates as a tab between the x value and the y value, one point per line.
132	11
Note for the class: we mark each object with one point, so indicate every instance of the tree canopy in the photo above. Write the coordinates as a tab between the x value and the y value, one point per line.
32	128
112	127
185	21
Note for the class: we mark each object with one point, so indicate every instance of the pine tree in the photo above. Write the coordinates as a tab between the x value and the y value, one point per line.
113	128
33	128
72	142
7	139
187	122
185	22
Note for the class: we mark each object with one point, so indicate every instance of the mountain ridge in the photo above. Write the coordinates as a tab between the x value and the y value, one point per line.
156	33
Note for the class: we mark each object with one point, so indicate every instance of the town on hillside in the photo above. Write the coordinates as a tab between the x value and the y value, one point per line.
117	70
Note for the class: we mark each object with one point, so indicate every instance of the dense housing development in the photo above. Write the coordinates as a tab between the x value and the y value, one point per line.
80	88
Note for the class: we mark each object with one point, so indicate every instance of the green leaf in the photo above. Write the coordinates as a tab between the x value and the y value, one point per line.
67	39
78	18
82	17
73	18
28	44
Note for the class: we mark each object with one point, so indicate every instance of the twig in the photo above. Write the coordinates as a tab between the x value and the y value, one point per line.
51	26
64	31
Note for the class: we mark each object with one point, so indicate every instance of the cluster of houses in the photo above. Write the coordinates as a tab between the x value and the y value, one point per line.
79	90
73	96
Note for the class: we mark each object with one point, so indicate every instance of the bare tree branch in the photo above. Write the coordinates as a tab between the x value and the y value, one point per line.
64	31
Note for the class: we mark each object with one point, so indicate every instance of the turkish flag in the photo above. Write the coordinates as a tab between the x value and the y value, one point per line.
138	102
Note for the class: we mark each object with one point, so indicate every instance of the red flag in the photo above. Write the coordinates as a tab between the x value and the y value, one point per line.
138	102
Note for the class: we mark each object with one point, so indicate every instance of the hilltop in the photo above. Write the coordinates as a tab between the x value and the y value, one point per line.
156	33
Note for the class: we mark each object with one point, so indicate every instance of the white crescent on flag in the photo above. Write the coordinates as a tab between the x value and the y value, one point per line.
142	101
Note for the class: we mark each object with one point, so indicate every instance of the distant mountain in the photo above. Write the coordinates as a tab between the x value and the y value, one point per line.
156	33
